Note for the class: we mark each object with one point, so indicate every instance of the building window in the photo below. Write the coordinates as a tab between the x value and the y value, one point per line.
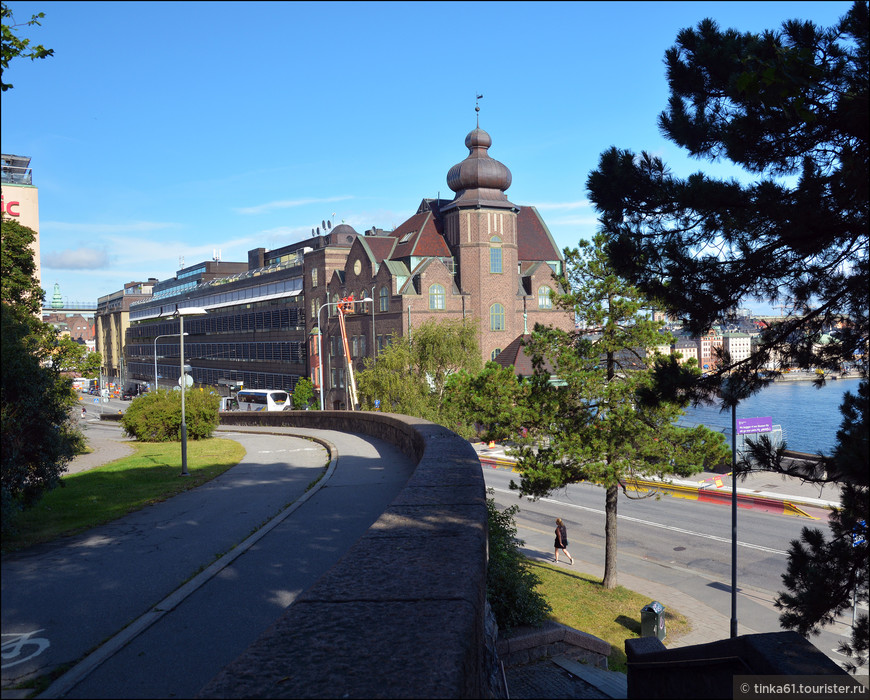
362	346
385	299
314	277
334	308
496	317
436	297
495	353
544	300
495	259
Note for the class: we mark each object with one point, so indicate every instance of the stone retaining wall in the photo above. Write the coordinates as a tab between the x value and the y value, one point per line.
402	614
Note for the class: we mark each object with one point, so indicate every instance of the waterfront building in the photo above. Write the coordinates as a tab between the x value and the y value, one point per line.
688	349
738	345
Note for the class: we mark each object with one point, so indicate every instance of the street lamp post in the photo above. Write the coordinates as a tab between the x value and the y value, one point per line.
320	340
166	335
374	338
181	313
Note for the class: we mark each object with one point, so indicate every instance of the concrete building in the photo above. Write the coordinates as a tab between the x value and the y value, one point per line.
111	322
255	333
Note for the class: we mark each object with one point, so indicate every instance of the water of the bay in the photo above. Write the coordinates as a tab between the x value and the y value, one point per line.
809	417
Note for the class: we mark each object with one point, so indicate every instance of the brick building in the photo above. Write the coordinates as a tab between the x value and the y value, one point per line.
477	256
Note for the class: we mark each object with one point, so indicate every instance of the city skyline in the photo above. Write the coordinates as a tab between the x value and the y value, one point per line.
242	132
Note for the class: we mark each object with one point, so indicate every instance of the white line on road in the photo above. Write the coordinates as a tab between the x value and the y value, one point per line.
726	540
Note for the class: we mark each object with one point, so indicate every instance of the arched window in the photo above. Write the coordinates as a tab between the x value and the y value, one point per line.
544	300
436	297
496	317
334	308
495	353
495	260
384	299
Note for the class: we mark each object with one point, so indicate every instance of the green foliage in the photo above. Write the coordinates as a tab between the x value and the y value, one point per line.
14	46
790	107
590	424
38	435
510	581
491	405
410	375
19	287
303	395
822	573
156	416
71	356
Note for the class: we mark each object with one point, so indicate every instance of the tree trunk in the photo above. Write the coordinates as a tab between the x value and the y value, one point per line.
610	537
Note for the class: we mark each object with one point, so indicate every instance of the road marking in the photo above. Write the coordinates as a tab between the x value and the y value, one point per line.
726	540
12	649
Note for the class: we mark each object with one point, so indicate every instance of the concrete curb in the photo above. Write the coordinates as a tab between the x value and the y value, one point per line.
105	651
746	498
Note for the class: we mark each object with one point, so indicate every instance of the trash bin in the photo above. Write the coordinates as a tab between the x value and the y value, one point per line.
652	620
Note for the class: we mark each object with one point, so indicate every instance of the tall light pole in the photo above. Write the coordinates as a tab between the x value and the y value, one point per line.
374	338
320	340
166	335
181	313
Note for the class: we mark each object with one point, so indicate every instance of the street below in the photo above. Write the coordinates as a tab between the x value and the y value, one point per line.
683	544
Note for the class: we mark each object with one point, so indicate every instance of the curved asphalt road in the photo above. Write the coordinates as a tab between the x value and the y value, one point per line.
126	603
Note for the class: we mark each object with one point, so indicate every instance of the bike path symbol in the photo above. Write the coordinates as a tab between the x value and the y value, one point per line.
17	649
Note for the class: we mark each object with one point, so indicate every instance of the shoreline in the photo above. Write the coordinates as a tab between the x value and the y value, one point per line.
812	376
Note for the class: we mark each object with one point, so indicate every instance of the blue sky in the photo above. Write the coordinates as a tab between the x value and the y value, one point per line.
166	130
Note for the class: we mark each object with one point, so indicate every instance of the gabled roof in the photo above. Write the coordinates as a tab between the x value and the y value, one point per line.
534	241
515	354
419	236
379	247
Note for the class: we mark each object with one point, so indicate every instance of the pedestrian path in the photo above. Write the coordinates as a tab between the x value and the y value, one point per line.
190	570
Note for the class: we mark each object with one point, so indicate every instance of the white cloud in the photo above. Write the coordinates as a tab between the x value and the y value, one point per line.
75	259
287	204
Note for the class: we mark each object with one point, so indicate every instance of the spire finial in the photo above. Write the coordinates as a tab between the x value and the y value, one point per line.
477	108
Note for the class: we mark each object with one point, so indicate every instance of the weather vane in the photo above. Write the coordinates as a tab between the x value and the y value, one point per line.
477	109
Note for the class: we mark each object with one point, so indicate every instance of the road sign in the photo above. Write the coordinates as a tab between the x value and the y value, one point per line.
377	403
859	533
754	425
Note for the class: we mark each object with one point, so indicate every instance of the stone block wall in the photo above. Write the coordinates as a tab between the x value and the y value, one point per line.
402	614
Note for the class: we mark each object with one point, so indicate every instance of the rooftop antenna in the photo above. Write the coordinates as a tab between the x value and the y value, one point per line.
181	262
216	254
477	108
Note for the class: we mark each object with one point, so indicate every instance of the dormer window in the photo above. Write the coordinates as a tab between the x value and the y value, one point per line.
407	237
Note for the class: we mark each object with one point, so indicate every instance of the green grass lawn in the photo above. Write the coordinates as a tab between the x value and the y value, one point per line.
99	495
580	601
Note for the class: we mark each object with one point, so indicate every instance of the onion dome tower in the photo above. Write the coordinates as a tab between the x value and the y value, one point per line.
479	180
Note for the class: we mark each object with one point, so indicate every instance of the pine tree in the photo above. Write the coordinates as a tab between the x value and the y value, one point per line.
589	414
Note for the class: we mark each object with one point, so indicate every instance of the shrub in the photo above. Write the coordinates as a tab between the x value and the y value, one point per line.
510	582
303	394
156	416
